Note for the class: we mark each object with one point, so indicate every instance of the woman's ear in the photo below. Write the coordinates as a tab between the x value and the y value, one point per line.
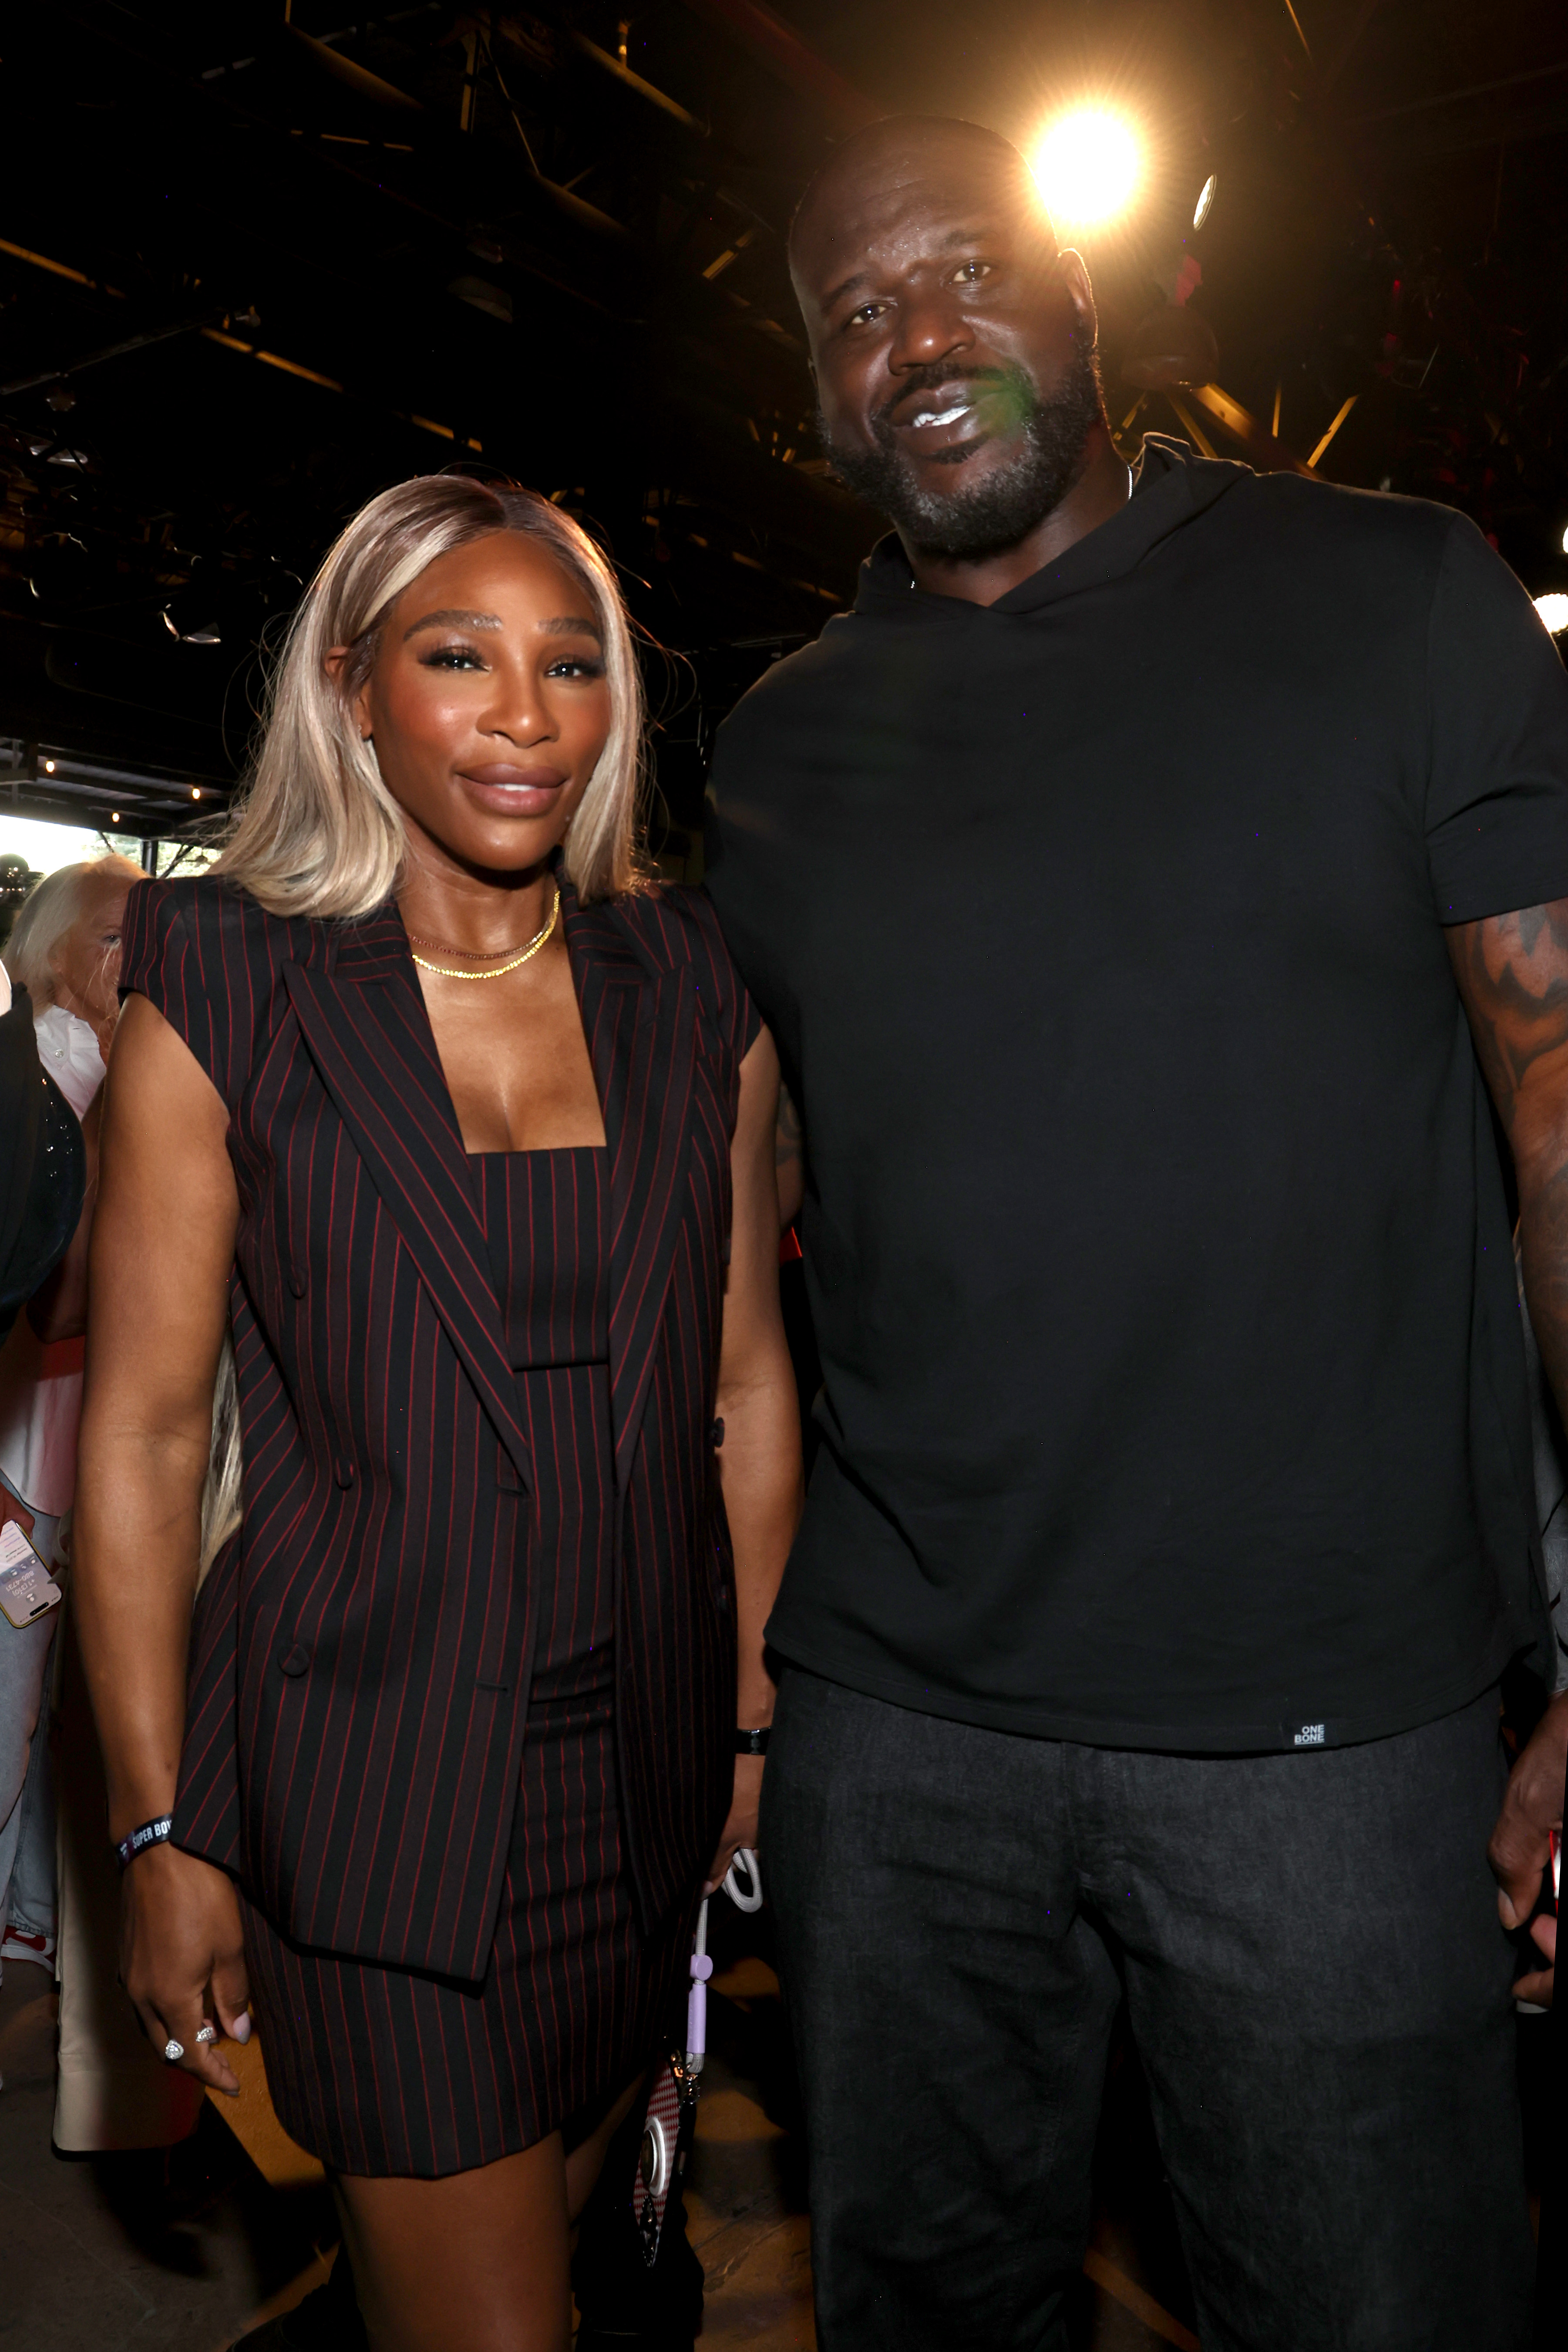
333	663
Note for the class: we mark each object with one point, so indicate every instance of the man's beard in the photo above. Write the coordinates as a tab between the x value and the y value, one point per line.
1001	507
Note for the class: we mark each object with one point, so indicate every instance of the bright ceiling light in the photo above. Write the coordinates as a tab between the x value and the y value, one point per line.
1206	198
1088	167
1565	542
1553	611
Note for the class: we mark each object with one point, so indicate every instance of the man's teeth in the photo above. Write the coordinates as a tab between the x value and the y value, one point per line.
941	415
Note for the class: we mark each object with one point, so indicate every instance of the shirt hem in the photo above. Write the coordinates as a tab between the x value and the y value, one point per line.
1409	1714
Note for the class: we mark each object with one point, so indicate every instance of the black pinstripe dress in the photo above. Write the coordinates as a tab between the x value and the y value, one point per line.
379	2070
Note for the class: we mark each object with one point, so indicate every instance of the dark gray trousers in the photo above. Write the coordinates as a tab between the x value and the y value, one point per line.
1316	1982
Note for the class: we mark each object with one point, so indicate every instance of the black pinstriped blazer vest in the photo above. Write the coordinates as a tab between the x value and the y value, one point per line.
360	1652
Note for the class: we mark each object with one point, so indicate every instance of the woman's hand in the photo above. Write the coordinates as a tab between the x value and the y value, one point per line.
182	1957
741	1829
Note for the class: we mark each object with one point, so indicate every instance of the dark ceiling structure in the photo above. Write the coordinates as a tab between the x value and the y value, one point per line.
258	261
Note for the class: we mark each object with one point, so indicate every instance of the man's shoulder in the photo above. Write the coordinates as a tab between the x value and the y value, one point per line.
1339	521
797	680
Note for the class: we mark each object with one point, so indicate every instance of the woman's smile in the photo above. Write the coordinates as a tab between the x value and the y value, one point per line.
510	789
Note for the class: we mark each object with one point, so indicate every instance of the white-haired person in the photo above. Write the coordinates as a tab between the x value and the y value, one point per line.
63	949
465	1129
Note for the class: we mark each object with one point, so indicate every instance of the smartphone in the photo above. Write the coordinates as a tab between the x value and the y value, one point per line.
28	1592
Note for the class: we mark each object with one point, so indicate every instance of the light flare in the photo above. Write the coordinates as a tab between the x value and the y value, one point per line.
1089	167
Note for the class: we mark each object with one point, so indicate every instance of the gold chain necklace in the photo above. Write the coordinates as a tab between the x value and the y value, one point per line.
443	971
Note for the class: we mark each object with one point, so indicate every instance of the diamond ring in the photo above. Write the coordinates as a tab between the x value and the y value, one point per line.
172	2049
207	2034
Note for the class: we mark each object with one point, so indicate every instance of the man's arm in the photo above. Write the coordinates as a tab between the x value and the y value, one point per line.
1512	972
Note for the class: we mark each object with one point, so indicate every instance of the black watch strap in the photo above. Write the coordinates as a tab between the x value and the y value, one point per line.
752	1743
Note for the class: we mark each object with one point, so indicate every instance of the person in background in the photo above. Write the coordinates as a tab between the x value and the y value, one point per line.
42	1163
42	1185
63	949
16	879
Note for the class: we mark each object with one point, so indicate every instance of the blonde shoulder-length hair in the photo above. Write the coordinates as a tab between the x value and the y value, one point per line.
317	831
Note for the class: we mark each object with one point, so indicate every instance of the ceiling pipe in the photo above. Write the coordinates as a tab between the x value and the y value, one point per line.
637	87
358	79
780	48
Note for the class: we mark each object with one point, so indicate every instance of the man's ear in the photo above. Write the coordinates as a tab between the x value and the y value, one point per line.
1073	276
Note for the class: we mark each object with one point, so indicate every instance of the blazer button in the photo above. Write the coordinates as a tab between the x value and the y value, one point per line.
296	1282
344	1472
716	1435
295	1660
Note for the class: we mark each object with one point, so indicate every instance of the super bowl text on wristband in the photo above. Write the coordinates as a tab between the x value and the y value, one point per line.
752	1743
149	1833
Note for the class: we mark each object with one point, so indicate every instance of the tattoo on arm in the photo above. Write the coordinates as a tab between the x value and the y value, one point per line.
1512	973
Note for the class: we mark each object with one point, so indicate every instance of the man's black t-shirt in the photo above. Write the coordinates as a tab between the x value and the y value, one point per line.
1155	1231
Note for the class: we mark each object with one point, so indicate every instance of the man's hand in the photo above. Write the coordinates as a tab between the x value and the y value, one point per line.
741	1829
1519	1851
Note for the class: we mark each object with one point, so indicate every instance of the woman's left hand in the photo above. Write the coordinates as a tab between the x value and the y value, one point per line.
741	1829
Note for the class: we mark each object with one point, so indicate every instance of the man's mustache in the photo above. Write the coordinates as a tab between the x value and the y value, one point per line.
1011	385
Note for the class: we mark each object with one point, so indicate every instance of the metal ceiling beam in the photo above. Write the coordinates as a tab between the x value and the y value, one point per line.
359	78
1349	42
635	83
1454	97
780	48
113	351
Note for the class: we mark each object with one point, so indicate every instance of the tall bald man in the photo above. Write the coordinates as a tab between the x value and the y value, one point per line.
1117	879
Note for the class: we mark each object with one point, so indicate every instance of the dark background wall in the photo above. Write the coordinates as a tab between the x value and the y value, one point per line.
258	261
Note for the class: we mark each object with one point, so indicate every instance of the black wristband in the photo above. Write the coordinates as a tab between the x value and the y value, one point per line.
149	1833
752	1743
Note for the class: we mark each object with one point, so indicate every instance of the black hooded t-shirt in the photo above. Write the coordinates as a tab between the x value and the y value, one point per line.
1155	1231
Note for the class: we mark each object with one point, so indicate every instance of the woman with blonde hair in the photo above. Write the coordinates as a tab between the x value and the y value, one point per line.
465	1130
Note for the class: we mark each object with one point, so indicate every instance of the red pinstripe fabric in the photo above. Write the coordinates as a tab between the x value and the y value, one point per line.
363	1652
391	2071
380	2070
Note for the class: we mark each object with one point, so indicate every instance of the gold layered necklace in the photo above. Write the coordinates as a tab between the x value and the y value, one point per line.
521	955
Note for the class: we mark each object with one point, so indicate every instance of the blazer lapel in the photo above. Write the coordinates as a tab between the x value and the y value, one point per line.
365	1024
641	1026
